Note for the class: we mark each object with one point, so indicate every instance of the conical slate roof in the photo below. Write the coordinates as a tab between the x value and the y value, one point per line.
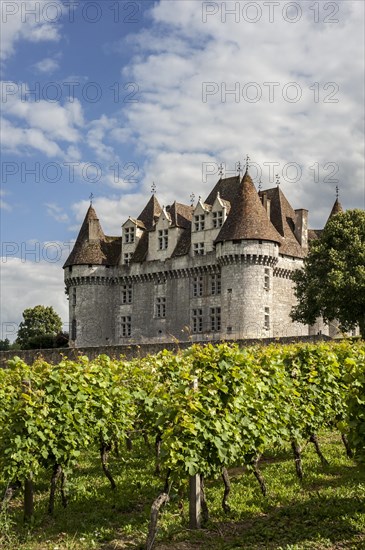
283	217
248	219
150	213
228	189
336	209
98	250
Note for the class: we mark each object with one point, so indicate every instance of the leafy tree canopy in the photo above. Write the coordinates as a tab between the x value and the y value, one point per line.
4	344
39	321
332	283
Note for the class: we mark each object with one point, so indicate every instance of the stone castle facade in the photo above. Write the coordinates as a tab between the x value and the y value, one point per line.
219	270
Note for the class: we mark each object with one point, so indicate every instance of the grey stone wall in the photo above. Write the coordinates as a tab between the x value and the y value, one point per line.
248	309
132	351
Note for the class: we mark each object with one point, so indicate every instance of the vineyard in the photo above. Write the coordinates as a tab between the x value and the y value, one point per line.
197	415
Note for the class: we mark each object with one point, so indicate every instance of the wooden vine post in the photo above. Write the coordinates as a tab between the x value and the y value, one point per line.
195	492
28	505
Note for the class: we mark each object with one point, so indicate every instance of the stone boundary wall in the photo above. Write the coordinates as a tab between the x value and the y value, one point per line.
135	351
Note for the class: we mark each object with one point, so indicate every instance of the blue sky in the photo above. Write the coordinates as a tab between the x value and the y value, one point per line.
130	92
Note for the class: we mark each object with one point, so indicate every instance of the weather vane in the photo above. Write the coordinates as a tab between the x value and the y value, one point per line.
153	188
220	170
247	162
91	198
239	167
337	192
277	179
192	199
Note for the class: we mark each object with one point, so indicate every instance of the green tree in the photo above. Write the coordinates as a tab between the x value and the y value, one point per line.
39	321
4	344
332	283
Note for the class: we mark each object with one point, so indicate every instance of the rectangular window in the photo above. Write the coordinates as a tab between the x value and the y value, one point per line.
199	222
74	296
198	249
73	330
127	256
198	286
161	307
163	239
126	294
215	284
126	326
267	318
215	319
197	318
217	219
267	279
129	234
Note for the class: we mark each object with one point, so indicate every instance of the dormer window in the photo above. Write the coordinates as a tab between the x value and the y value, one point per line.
198	249
199	222
129	235
127	256
217	219
163	239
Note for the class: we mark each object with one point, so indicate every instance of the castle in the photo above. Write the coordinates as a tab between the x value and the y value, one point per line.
218	270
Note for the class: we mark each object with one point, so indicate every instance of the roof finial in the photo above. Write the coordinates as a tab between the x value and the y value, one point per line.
247	162
277	180
239	167
192	199
91	198
153	188
220	170
337	192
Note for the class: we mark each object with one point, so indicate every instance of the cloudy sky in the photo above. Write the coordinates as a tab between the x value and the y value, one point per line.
107	97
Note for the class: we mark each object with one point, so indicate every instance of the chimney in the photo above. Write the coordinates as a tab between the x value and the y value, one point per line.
301	227
266	203
94	230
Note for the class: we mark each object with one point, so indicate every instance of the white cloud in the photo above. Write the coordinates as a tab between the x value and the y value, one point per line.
27	283
18	23
58	121
57	213
3	204
14	139
173	125
98	131
47	65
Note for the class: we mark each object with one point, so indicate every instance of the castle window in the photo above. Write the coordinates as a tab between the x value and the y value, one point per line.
73	330
127	256
126	326
163	239
217	219
74	296
126	294
198	249
197	318
161	307
215	319
198	286
129	235
267	279
199	222
70	269
267	318
215	284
